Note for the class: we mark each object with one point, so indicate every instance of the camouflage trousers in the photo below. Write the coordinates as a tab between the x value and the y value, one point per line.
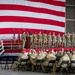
15	65
33	63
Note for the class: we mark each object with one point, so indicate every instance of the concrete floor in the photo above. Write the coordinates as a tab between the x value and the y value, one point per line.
11	72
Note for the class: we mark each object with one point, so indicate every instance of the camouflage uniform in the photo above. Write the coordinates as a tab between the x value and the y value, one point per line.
40	40
73	39
44	40
31	40
23	40
58	40
63	40
54	39
49	37
49	56
65	57
68	41
21	56
73	59
35	40
33	56
41	55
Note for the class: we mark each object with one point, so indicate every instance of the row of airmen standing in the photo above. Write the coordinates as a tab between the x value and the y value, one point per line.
47	56
47	40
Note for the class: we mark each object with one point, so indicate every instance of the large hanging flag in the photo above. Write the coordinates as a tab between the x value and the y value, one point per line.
19	39
14	38
35	15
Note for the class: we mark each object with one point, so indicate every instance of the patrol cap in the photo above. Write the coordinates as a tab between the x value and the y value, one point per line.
39	51
52	50
47	50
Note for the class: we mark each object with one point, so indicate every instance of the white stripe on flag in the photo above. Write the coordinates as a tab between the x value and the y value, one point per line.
31	26
8	36
34	4
60	0
31	14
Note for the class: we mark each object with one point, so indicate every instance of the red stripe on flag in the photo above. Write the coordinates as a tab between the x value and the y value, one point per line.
32	9
53	2
31	20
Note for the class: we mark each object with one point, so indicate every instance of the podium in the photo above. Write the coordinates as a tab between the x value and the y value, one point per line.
27	45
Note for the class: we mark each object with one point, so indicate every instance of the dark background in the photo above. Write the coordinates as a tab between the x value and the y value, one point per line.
70	16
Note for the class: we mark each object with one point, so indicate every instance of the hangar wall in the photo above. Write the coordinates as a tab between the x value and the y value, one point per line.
70	16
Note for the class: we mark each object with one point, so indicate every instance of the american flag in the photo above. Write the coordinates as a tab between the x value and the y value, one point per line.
33	15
